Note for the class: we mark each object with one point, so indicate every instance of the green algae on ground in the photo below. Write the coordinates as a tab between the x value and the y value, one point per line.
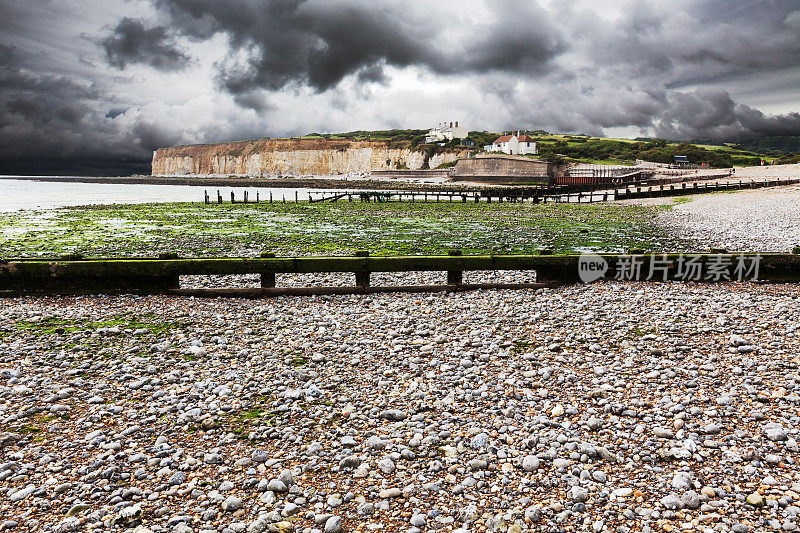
196	230
50	326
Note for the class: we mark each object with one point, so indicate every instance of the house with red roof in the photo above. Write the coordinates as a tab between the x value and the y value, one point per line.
513	145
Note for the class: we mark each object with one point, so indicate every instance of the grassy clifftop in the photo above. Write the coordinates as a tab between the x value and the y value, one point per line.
588	149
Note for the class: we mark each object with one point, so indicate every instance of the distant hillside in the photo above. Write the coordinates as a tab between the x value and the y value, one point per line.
395	138
776	146
588	149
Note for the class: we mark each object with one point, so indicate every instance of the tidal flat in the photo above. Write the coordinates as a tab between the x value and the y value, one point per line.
197	230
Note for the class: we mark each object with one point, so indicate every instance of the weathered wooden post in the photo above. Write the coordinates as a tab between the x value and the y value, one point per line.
455	277
219	197
295	196
267	278
205	196
233	199
362	278
258	199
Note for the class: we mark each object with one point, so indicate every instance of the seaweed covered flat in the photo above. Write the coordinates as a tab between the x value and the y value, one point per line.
303	228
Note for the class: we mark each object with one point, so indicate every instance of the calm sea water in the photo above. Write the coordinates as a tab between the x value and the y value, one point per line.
24	194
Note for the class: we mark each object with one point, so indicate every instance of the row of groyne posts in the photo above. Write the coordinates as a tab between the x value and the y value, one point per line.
557	194
515	194
70	275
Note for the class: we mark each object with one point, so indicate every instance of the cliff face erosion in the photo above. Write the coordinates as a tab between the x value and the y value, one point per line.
290	157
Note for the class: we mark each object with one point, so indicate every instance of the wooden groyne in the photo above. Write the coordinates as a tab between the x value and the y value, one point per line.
500	194
76	275
682	189
554	194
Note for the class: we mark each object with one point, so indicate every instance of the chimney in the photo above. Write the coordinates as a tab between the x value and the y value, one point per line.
456	123
451	124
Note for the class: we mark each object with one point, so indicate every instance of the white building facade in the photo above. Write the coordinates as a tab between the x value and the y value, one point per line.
443	132
513	145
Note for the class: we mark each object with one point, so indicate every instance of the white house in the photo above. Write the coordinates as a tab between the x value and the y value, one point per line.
443	132
513	145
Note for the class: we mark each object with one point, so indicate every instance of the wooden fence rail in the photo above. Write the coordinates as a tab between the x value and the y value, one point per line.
654	191
157	276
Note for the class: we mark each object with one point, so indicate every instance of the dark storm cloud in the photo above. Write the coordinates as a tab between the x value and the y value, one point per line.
293	64
757	123
319	43
713	113
60	112
46	85
51	125
624	107
152	136
290	42
254	100
131	41
6	54
714	40
29	109
523	38
372	74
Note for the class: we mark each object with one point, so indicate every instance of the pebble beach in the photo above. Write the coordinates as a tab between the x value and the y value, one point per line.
616	406
759	220
610	407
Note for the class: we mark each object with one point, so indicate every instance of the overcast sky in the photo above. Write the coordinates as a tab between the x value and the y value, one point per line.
96	85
